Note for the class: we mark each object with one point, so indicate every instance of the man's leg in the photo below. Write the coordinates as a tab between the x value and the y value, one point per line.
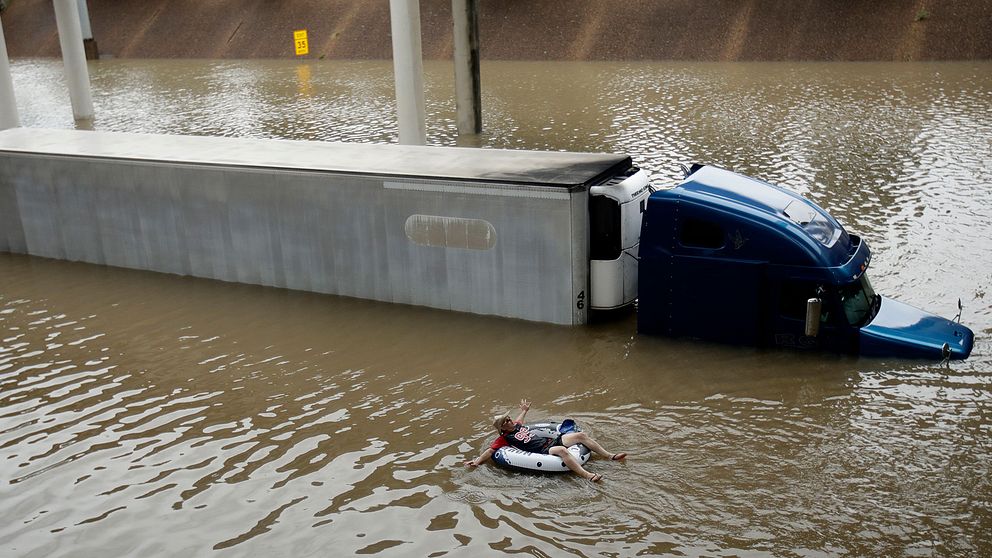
573	438
571	462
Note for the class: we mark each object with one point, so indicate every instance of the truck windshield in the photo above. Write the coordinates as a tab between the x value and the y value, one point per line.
859	301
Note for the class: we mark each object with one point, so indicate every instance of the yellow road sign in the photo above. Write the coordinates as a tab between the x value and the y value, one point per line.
300	39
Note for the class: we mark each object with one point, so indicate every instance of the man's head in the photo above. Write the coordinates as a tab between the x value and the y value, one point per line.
503	423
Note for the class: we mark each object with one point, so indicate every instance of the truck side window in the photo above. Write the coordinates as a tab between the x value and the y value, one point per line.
696	233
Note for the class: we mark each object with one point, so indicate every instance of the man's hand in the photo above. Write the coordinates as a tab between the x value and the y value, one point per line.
471	463
524	405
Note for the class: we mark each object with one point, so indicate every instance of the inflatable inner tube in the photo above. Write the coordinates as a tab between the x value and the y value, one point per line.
515	459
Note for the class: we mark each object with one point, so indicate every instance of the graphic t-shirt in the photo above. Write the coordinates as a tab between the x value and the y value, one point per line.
522	438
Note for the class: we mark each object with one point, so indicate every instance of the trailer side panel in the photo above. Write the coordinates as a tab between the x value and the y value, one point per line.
487	248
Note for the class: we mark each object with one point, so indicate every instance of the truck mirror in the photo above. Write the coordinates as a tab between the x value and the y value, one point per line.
813	307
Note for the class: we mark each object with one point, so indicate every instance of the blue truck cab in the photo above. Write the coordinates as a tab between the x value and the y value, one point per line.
729	258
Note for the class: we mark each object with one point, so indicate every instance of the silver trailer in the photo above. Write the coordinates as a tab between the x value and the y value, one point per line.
506	233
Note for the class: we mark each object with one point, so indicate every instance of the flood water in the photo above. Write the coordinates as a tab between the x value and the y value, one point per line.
153	415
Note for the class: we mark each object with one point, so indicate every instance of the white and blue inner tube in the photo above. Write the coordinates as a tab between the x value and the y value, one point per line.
515	459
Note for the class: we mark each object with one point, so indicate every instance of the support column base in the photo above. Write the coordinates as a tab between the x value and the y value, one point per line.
90	49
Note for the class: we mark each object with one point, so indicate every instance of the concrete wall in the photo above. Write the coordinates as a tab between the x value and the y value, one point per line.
531	30
306	230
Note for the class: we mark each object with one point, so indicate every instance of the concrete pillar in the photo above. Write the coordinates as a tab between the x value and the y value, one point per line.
468	86
76	74
408	70
8	104
89	43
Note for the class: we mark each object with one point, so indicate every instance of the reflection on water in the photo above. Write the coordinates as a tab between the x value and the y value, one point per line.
146	414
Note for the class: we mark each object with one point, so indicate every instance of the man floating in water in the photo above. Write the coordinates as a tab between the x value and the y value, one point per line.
513	433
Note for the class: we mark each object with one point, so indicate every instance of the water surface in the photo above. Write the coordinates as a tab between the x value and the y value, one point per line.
148	414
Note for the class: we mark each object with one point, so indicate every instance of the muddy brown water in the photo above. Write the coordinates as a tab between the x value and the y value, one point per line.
155	415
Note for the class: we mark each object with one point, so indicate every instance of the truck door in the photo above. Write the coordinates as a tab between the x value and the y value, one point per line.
716	298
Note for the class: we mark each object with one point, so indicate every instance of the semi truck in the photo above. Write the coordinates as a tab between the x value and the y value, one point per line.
731	258
541	236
